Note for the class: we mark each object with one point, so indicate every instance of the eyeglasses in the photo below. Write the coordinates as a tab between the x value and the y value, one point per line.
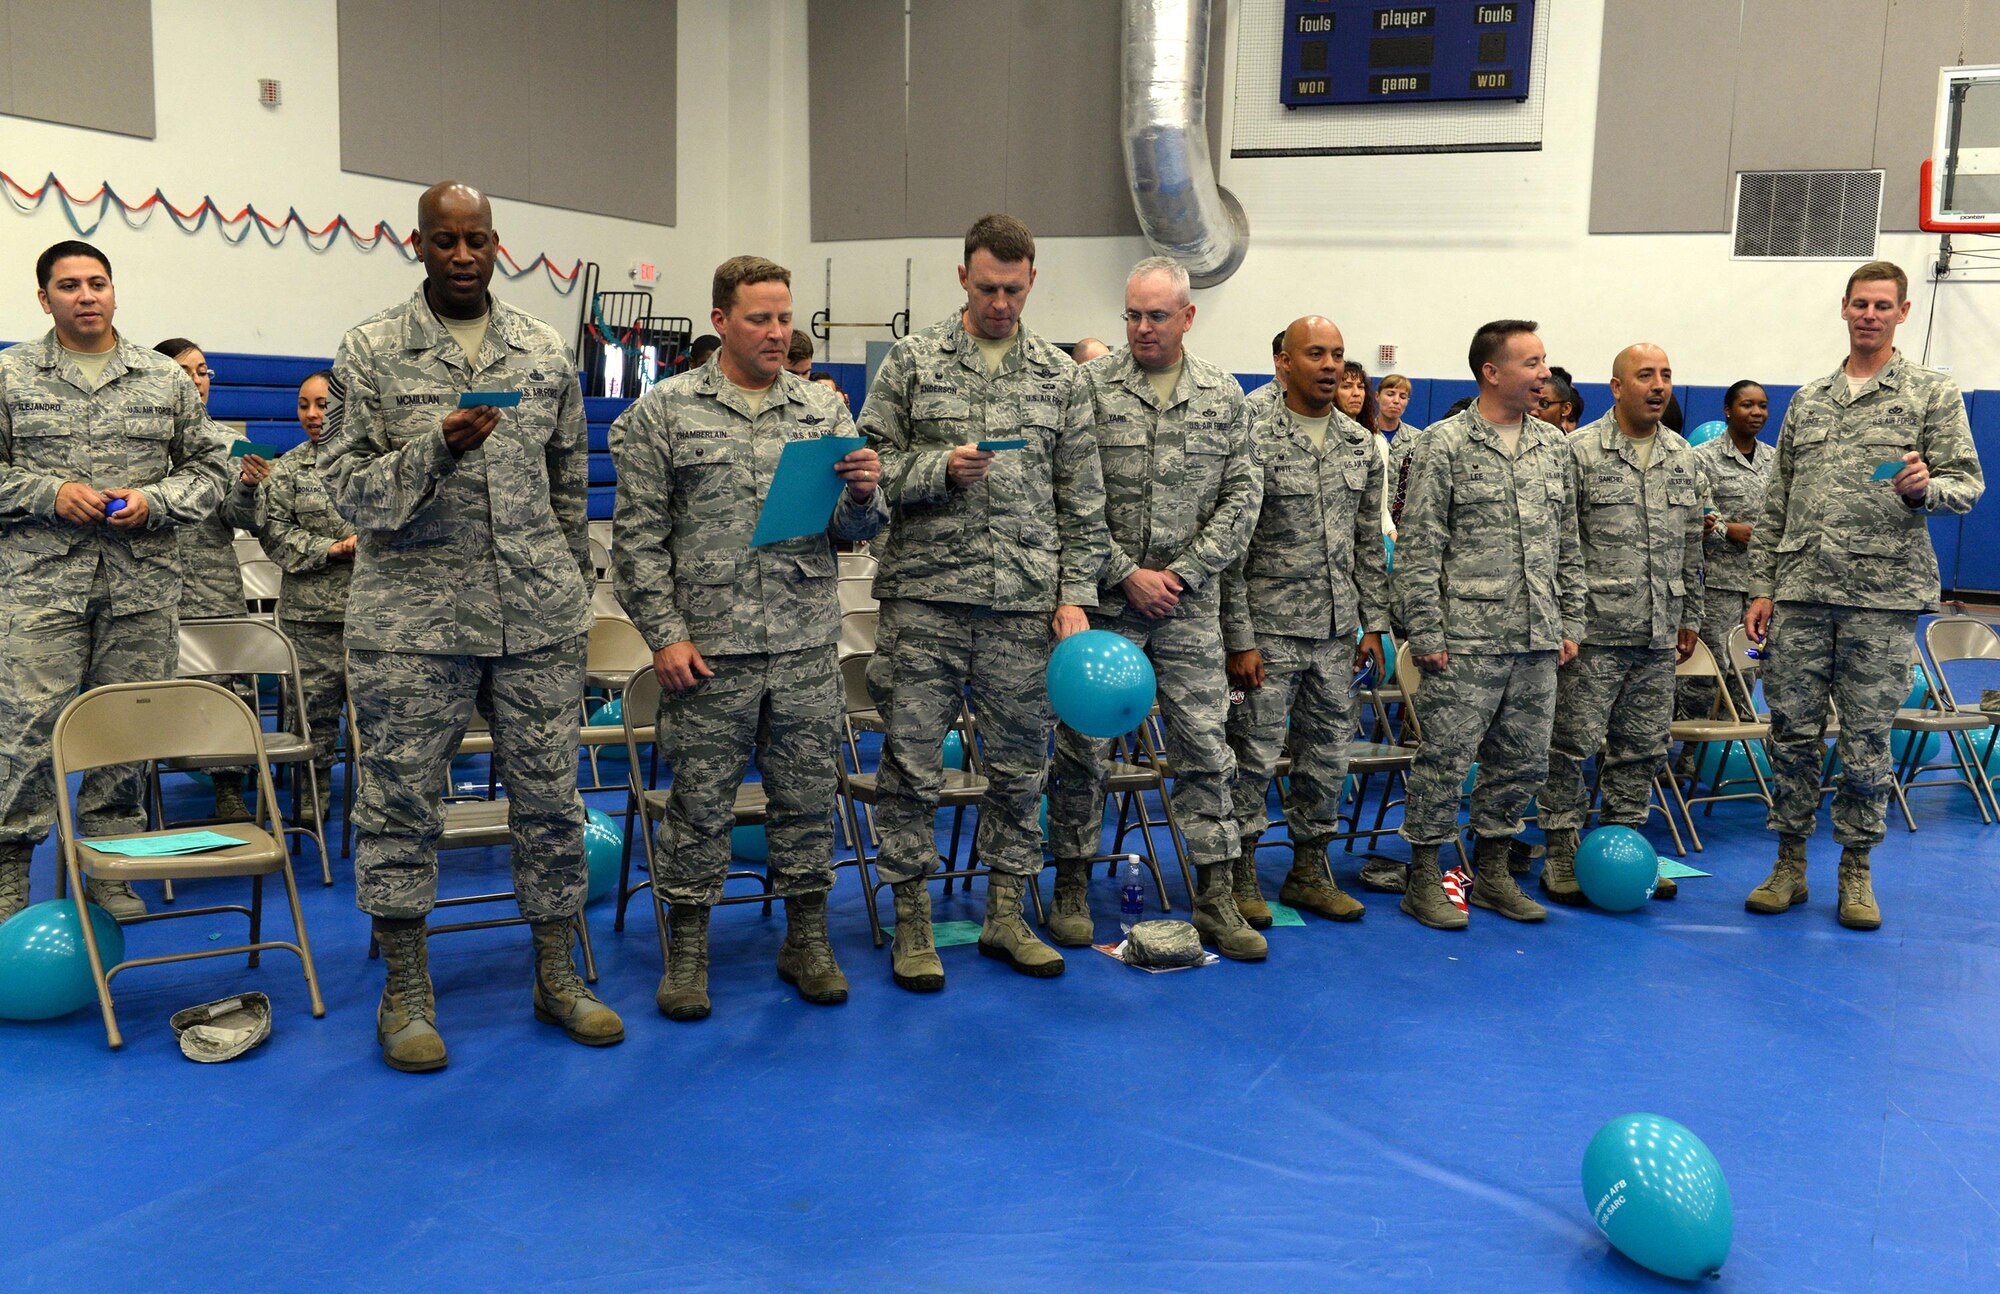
1153	317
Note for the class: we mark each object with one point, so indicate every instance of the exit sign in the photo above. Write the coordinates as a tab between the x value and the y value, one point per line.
645	272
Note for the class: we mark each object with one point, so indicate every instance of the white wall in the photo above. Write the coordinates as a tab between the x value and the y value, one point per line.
1413	250
214	138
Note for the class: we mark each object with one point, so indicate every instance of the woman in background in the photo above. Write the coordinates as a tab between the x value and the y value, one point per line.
1356	399
315	547
211	581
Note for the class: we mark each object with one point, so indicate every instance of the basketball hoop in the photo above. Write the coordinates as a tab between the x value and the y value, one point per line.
1959	183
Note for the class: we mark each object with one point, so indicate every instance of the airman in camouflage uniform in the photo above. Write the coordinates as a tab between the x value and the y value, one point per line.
87	417
471	589
1314	574
1736	481
1490	579
1638	514
987	554
1840	567
211	578
744	637
1181	495
314	545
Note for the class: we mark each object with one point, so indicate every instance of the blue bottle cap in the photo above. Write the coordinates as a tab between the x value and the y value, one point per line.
113	506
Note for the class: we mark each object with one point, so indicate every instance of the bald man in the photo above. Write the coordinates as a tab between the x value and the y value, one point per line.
1314	573
1638	518
1088	349
471	589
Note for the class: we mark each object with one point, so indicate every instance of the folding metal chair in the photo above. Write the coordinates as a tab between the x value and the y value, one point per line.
148	722
615	648
1951	640
254	648
262	582
1727	726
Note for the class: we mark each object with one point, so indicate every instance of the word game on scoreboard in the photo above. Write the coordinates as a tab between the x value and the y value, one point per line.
1364	51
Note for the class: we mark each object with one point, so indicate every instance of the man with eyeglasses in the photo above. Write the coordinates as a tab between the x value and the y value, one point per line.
1181	494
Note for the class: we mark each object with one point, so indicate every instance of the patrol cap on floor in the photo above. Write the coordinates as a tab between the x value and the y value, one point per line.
1163	943
224	1030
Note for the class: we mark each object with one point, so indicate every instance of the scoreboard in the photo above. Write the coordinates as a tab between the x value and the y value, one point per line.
1366	51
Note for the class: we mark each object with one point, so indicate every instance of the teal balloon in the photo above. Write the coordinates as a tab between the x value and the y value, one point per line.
1658	1195
1900	742
1738	767
1100	683
1707	431
1617	869
44	968
1918	689
603	850
610	715
954	749
749	843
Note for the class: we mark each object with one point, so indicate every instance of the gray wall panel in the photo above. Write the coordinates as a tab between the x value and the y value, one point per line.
1065	168
854	53
1665	100
1812	70
518	106
961	54
389	88
1923	36
81	63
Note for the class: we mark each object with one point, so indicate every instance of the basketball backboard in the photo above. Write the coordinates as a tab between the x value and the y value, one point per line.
1961	179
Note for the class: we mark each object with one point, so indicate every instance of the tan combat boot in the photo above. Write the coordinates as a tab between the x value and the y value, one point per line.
1493	885
1219	922
1857	895
1243	886
683	991
1308	887
1559	868
806	961
1005	936
1425	898
1786	885
561	997
13	881
913	959
1069	912
406	1021
115	897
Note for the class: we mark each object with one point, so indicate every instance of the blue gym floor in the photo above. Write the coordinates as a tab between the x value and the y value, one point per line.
1378	1106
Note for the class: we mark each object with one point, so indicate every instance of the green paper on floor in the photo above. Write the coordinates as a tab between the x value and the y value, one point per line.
1673	871
181	842
1284	916
947	934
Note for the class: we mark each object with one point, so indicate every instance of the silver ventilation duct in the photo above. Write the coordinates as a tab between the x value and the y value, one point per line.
1183	211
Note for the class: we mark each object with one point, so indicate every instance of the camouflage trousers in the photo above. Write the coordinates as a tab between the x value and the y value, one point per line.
412	711
318	644
1308	680
1194	702
787	707
1721	610
47	657
1622	699
927	654
1860	659
1498	710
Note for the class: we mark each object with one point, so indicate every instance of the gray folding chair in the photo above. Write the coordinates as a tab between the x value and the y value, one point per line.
262	582
1950	640
180	719
253	648
615	649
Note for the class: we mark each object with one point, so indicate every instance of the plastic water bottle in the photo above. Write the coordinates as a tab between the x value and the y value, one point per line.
1131	894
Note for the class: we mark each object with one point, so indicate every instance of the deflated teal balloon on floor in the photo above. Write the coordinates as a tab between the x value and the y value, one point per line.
44	968
1658	1194
603	850
749	843
1617	869
1100	683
